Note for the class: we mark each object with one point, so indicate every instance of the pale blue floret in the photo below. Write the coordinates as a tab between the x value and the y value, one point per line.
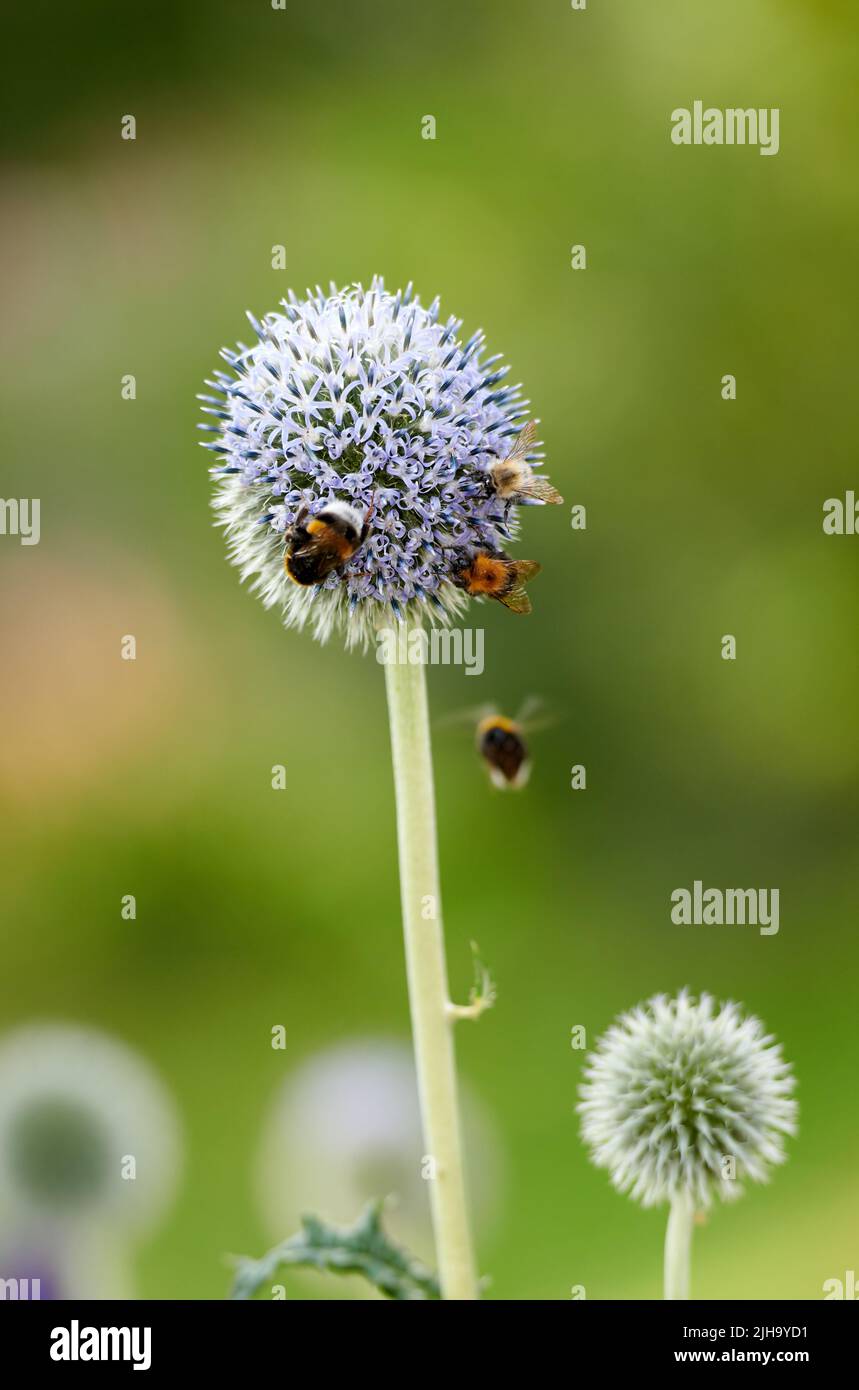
368	397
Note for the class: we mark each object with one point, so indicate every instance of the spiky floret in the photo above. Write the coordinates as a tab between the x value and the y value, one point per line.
675	1089
370	398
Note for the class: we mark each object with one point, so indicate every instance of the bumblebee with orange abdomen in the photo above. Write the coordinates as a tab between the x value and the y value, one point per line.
514	480
501	744
492	574
319	544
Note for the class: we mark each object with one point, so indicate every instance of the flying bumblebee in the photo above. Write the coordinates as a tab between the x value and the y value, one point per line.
316	545
513	479
503	743
492	574
502	746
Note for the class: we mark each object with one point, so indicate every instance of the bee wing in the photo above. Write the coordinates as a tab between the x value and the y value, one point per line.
531	706
300	552
516	598
540	489
321	540
524	441
526	569
547	721
532	715
472	715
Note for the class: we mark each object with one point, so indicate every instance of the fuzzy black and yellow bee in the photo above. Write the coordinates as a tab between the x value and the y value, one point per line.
492	574
316	545
504	743
501	743
514	480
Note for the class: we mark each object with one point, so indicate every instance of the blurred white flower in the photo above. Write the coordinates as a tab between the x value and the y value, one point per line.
89	1138
345	1127
682	1098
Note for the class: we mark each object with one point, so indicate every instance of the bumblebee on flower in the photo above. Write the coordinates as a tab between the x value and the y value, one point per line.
369	471
370	463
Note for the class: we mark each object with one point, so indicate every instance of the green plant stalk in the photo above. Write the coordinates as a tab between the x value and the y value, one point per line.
678	1247
432	1025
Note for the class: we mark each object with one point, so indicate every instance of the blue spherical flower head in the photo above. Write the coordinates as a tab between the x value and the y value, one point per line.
363	409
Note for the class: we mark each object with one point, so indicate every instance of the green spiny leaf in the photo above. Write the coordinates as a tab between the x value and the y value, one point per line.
360	1249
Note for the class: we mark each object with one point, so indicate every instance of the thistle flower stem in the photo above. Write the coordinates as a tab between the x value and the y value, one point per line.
678	1247
432	1026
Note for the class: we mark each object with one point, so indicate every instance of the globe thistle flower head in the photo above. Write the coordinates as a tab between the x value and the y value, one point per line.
367	400
76	1107
683	1097
345	1128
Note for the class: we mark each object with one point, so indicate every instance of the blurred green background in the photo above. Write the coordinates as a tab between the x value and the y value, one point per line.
302	127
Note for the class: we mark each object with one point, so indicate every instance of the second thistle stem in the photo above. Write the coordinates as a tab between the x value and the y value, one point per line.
678	1247
432	1025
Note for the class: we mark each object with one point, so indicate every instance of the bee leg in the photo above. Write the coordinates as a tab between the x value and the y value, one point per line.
299	518
365	529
